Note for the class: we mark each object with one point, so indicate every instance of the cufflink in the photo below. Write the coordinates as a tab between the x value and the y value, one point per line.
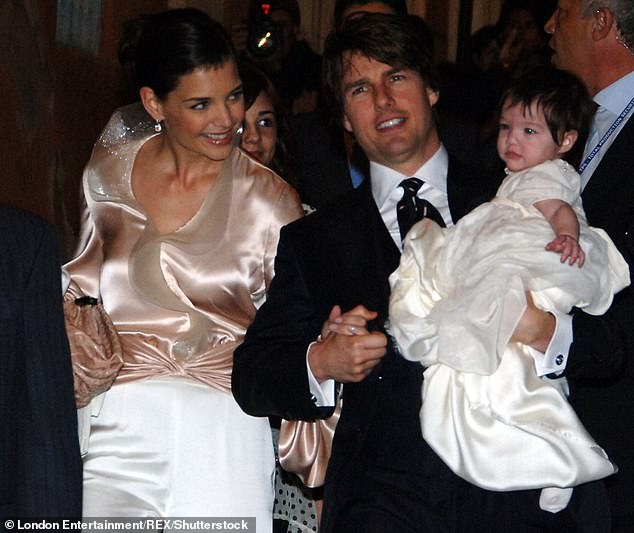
559	360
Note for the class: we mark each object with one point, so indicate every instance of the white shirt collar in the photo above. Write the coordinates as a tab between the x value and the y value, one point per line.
433	172
615	97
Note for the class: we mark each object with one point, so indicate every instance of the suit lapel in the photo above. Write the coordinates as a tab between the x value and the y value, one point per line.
467	188
612	170
367	254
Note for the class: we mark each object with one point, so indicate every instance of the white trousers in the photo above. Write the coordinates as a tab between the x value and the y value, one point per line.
175	448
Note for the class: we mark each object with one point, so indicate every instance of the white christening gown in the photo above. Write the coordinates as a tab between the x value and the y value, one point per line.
457	297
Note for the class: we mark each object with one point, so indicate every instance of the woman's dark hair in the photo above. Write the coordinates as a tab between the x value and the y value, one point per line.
389	39
563	98
156	50
255	82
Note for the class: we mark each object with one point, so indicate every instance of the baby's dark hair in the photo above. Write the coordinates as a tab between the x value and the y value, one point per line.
562	97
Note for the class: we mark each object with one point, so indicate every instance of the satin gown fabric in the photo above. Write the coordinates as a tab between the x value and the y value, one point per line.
456	299
175	447
181	302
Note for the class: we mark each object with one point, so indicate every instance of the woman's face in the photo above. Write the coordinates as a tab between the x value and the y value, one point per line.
260	129
204	112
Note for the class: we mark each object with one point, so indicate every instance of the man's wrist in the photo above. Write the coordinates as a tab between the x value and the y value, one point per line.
313	359
322	391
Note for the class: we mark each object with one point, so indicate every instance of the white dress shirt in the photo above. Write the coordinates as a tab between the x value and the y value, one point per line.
612	102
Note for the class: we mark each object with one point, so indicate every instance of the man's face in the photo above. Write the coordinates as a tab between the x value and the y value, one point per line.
389	111
571	38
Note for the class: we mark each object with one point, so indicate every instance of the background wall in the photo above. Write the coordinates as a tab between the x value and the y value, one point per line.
57	97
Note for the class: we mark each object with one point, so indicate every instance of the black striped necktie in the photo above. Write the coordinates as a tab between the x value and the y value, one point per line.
410	209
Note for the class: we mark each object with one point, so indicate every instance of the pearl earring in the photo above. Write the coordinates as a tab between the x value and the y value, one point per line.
158	127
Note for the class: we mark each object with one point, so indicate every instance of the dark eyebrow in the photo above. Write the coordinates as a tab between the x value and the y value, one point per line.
197	99
394	70
200	99
353	84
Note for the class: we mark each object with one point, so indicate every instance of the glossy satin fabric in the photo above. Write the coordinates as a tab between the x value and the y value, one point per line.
305	446
456	299
181	302
163	448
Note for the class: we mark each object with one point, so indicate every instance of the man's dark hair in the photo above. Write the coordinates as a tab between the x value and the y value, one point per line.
563	97
389	39
398	6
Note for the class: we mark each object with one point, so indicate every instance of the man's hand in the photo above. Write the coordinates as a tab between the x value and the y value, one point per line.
347	351
535	328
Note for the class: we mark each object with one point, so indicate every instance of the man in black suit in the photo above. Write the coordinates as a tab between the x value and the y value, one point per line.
595	40
323	322
40	465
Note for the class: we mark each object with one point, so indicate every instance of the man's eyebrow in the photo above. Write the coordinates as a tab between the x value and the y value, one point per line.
394	70
355	83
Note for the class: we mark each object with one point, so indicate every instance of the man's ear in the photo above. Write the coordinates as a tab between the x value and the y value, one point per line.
346	123
151	103
602	23
432	96
569	140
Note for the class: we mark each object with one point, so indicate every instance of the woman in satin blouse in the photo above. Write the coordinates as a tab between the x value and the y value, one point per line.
178	241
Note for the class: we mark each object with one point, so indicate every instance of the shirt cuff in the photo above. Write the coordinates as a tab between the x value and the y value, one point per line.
555	359
323	394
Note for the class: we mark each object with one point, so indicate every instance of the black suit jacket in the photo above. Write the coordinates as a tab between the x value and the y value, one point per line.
343	255
321	173
40	465
601	363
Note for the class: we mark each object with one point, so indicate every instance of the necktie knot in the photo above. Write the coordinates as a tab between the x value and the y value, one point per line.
410	209
410	187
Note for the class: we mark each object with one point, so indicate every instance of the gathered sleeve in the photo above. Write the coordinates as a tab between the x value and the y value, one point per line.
85	268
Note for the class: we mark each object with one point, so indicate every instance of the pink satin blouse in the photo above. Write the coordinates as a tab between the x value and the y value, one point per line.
181	302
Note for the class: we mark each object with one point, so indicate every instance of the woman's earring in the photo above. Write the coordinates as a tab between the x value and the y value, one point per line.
240	130
158	126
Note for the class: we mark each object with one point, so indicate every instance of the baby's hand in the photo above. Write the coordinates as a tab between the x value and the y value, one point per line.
569	248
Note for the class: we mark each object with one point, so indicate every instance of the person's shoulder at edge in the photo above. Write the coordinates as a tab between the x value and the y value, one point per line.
263	179
17	217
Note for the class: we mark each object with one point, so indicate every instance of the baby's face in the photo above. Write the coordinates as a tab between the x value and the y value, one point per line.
524	138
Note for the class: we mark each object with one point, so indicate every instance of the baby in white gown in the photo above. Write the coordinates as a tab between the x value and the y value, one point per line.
460	292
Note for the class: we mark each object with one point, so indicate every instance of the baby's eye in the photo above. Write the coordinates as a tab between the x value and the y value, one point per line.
503	126
529	131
